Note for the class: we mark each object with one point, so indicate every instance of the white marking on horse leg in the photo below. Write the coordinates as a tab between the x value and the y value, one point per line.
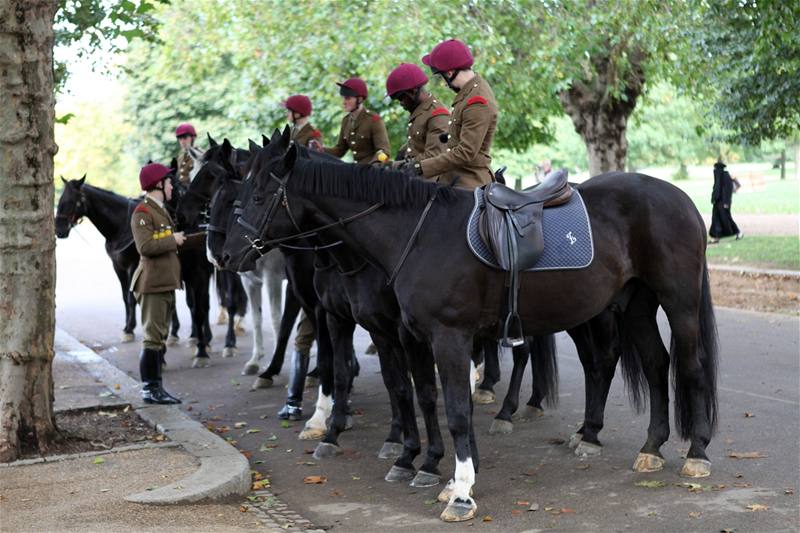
473	377
253	287
463	480
321	412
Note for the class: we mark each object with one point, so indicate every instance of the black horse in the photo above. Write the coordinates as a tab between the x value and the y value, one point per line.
111	214
649	240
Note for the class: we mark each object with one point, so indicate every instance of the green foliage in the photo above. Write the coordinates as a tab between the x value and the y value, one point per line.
750	53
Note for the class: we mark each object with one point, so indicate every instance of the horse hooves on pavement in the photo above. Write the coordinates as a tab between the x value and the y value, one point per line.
459	510
696	468
172	340
574	440
312	433
587	449
527	413
201	362
648	462
250	369
425	479
447	492
229	351
390	450
326	449
483	397
127	337
261	383
501	427
398	473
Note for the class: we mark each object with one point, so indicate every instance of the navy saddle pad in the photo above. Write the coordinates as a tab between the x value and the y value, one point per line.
567	236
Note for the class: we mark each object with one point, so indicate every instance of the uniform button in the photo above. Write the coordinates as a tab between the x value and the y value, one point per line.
475	85
449	122
410	124
352	142
408	149
417	133
448	149
409	137
352	133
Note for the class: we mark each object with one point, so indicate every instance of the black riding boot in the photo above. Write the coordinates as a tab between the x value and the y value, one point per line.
150	370
163	358
293	410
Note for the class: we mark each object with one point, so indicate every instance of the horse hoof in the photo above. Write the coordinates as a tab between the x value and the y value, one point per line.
326	449
460	510
587	449
250	369
574	440
483	397
239	330
447	492
696	468
398	473
528	412
348	423
311	434
371	350
191	341
312	382
172	340
501	427
390	450
200	362
648	462
229	351
127	337
261	383
222	317
425	479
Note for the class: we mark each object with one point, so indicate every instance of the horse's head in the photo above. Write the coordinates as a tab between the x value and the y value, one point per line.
261	200
220	214
72	206
214	164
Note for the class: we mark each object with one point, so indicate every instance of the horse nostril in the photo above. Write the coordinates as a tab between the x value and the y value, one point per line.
226	257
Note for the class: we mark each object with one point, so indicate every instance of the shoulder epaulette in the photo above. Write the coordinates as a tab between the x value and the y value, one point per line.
440	111
316	134
141	209
376	117
477	100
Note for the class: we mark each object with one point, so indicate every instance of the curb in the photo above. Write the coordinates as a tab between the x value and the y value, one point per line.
223	471
754	270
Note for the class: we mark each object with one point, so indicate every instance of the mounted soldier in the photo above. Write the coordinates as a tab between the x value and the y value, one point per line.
186	135
156	277
298	110
472	124
362	132
428	118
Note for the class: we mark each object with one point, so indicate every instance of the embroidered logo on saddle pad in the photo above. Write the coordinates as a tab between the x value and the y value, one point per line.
567	233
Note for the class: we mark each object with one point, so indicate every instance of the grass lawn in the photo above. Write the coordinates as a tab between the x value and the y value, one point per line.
763	251
776	198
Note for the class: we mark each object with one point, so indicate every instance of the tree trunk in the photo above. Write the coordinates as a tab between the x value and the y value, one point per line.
600	118
27	240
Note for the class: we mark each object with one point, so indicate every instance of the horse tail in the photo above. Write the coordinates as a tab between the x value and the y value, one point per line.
630	362
545	367
707	354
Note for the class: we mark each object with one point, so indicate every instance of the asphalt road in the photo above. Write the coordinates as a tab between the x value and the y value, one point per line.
759	393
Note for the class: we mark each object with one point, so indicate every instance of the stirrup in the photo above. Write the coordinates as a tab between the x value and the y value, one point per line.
512	342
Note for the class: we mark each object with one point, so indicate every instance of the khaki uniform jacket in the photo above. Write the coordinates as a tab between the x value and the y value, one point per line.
426	125
159	269
305	134
185	165
472	125
364	133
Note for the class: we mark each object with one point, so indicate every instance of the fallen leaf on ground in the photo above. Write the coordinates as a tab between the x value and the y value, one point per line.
116	386
695	487
99	460
431	501
788	491
695	514
240	425
285	424
742	485
223	429
105	490
534	507
522	502
727	530
242	509
308	451
335	493
651	484
746	455
749	415
567	510
247	454
356	478
256	475
755	507
516	512
487	518
556	440
530	472
252	430
314	480
583	466
234	382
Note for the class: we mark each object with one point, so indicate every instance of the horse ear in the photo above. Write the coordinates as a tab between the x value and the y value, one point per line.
211	141
65	181
264	140
287	136
290	157
80	181
276	135
252	146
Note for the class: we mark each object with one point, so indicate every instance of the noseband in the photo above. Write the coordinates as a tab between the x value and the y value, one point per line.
73	218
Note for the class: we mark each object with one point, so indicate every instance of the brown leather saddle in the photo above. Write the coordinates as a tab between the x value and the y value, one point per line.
511	226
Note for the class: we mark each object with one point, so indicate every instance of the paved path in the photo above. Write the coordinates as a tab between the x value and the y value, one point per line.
764	224
759	401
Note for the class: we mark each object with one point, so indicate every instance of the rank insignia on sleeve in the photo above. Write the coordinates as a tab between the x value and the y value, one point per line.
477	100
142	222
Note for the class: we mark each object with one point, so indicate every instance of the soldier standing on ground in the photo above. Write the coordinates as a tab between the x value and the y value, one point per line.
362	132
156	277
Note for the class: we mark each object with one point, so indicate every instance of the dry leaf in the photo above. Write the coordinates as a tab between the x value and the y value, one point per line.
314	480
757	507
788	491
256	475
242	509
240	425
534	507
487	518
741	485
522	502
567	510
516	512
252	430
247	454
335	493
746	455
749	415
99	460
651	484
116	386
694	514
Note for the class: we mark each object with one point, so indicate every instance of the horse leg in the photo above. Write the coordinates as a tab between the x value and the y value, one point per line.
423	370
274	277
502	421
230	336
316	427
491	373
200	299
290	312
124	284
452	351
252	285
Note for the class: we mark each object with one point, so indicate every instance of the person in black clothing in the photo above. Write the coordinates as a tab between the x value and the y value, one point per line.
722	224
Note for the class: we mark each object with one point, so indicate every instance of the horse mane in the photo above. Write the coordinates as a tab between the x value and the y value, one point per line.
105	193
364	183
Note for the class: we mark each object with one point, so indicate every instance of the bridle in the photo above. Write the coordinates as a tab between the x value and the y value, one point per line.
73	219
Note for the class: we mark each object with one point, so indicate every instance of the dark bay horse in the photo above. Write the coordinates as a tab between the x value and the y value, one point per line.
649	252
110	213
